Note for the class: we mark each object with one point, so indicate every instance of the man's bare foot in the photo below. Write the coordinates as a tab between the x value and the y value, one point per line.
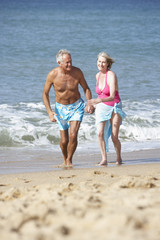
103	163
61	165
68	164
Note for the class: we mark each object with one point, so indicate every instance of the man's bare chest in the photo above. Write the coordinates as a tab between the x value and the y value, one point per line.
65	83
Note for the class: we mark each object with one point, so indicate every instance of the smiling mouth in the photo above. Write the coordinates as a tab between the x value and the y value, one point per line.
69	68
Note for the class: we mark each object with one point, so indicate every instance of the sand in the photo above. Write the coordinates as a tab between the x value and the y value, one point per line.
110	203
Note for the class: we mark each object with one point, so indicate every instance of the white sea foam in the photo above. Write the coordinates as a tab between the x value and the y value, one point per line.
27	124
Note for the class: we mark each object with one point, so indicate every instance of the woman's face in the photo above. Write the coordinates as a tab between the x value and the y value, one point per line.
102	64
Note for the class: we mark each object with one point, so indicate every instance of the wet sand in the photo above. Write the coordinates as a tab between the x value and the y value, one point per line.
113	202
28	160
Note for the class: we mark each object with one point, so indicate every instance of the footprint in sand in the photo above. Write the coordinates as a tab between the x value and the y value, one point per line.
11	194
23	179
78	212
94	202
63	177
132	182
136	223
64	230
67	189
4	185
99	173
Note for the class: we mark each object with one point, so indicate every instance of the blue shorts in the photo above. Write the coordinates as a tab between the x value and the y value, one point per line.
68	113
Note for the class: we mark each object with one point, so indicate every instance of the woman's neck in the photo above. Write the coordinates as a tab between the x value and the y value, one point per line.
103	72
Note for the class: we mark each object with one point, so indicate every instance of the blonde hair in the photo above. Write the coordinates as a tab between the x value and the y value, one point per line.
61	52
109	60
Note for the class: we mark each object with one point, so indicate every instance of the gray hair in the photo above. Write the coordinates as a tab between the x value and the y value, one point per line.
109	60
61	52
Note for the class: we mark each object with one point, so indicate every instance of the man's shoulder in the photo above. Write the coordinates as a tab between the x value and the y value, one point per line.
53	73
54	70
76	70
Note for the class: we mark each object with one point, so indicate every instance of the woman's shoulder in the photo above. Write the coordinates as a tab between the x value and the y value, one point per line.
111	73
111	77
97	75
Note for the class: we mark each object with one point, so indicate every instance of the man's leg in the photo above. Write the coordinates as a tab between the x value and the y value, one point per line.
64	143
72	144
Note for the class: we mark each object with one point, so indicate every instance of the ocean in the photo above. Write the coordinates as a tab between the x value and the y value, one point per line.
32	32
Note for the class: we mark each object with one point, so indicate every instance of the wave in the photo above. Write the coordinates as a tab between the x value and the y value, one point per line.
27	124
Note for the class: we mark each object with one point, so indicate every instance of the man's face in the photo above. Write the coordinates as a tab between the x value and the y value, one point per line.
66	63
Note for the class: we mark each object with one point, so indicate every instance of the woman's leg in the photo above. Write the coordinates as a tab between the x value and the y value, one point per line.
102	145
115	123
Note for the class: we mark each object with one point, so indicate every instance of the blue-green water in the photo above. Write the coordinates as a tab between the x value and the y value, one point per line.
32	32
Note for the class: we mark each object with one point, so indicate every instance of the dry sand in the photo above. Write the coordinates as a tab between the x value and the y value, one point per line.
103	203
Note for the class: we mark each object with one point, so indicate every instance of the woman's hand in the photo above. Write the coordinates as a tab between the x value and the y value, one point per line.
94	101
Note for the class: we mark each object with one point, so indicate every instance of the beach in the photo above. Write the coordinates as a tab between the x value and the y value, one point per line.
113	202
39	200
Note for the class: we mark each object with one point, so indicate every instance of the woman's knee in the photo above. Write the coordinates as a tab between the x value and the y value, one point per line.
115	138
100	134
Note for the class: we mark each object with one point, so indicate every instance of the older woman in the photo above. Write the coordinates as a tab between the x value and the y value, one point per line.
108	111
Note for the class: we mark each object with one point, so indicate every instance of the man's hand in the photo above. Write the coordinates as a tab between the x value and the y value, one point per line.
89	109
52	116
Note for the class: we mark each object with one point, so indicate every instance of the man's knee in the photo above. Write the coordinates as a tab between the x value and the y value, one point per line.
64	141
73	136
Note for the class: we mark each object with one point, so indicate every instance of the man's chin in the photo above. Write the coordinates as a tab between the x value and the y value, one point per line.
68	69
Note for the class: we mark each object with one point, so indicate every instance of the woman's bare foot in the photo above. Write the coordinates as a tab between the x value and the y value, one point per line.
103	162
119	162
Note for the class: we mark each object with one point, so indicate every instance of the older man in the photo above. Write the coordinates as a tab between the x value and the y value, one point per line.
69	107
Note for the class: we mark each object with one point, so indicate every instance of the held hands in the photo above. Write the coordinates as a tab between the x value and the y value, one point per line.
89	109
94	101
91	104
52	116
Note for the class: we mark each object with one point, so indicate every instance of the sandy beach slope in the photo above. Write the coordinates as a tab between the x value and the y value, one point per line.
106	203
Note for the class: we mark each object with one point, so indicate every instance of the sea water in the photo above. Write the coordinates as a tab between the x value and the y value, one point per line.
32	32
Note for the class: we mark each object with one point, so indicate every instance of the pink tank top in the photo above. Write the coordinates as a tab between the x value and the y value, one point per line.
106	92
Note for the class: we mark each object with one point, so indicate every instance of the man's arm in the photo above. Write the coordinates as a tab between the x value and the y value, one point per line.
47	87
89	108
